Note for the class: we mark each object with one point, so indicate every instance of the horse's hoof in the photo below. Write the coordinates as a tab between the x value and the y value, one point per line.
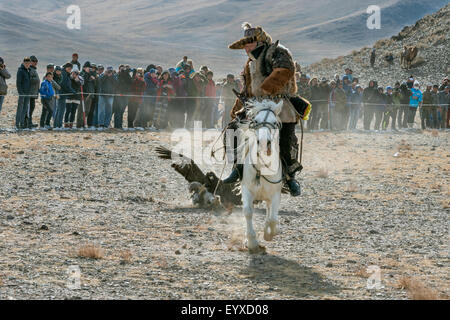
268	236
270	231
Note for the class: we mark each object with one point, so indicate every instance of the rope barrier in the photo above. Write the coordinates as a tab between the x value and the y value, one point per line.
217	98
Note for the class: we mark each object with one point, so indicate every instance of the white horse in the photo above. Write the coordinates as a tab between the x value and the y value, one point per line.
262	177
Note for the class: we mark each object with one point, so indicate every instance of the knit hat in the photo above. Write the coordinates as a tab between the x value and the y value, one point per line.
152	70
111	69
68	65
251	35
388	88
87	64
50	65
58	68
33	59
416	83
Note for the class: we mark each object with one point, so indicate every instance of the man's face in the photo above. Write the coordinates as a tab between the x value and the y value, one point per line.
389	91
50	77
51	70
27	64
153	75
87	69
58	72
435	89
74	58
249	47
34	63
230	79
69	69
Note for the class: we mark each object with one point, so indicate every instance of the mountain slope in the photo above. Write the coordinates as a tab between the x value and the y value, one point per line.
161	31
429	34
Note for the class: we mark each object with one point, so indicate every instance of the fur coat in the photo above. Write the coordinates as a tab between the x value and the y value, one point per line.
270	71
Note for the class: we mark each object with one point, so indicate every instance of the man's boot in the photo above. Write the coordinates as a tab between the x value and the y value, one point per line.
294	187
235	175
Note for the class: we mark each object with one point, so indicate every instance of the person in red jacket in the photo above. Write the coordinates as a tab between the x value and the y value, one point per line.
211	101
164	94
137	92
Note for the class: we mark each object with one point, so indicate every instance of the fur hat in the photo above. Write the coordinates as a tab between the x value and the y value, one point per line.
251	35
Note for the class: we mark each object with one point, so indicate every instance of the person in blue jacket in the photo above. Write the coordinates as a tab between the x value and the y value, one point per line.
47	94
415	100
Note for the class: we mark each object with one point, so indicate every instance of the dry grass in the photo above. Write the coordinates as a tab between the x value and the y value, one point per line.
322	173
90	251
362	272
125	256
416	289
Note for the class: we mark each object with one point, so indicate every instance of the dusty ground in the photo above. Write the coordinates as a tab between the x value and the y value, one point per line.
361	206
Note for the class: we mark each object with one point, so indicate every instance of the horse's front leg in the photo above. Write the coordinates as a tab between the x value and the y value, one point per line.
271	228
247	199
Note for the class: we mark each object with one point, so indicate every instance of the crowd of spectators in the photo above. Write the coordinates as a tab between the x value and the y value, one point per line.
93	97
339	104
90	96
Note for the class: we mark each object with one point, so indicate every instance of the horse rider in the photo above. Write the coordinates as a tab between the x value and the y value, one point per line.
270	74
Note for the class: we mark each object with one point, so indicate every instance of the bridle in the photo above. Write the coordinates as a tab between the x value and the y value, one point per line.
258	125
271	126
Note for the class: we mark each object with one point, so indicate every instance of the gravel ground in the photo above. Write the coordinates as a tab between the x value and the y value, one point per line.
368	199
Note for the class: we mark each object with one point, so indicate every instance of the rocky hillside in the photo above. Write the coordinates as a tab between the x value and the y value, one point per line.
429	34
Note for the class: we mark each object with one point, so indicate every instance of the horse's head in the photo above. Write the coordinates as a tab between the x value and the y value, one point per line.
264	120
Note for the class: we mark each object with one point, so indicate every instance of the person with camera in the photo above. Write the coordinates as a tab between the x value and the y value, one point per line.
23	89
107	87
123	90
88	89
35	83
4	75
